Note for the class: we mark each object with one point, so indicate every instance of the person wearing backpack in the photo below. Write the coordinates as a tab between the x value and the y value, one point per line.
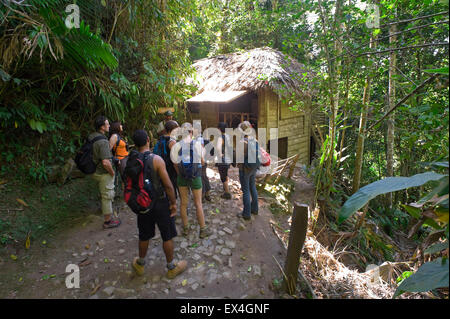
247	172
163	147
162	205
161	130
224	165
206	186
104	172
189	158
119	149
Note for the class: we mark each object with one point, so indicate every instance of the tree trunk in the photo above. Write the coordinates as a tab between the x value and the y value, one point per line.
390	120
362	130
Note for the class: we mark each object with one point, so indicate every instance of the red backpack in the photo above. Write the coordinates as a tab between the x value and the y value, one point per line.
139	191
265	157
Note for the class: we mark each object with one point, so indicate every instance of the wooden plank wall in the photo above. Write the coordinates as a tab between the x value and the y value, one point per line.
208	115
293	125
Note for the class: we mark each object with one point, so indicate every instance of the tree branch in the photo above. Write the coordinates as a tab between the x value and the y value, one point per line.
414	19
403	100
404	48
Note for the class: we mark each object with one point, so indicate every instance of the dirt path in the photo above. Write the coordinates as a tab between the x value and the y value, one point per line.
236	261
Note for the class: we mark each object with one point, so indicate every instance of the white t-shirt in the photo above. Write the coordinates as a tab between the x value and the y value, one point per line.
161	127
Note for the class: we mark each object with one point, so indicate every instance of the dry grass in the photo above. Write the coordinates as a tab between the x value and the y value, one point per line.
252	70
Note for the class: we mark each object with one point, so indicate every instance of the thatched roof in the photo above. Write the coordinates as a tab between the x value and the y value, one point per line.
251	70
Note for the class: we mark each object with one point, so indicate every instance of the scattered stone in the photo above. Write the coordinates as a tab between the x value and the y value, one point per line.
221	233
91	253
225	252
207	242
218	249
196	257
222	222
230	244
184	244
217	259
216	221
220	241
229	263
181	291
241	226
257	270
156	278
101	243
166	291
121	251
109	290
120	241
121	292
195	286
190	281
227	275
94	297
74	255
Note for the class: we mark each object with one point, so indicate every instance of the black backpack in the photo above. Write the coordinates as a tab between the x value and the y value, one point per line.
142	187
84	158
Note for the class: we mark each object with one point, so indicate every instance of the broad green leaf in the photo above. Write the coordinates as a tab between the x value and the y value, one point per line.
443	70
387	185
432	223
436	248
413	211
429	276
440	190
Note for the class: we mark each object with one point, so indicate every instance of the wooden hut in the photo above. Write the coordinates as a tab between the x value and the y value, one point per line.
255	85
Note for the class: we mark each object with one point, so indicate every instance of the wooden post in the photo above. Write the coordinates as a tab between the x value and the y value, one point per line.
297	237
291	169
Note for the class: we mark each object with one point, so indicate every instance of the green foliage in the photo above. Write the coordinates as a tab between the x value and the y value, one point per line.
387	185
429	276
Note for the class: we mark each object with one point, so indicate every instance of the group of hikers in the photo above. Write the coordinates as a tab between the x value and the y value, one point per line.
153	179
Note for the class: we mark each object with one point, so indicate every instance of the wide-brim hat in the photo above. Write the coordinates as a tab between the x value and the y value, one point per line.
168	113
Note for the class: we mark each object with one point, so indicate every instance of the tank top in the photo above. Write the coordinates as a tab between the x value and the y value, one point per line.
120	151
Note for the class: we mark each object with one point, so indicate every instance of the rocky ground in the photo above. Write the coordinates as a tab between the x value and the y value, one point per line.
236	261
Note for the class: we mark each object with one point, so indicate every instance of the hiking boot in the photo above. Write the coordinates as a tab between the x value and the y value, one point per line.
226	196
254	213
186	230
204	232
179	268
111	224
139	269
240	215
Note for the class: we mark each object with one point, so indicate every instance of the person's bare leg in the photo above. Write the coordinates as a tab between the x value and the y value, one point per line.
143	246
184	193
225	186
197	193
168	250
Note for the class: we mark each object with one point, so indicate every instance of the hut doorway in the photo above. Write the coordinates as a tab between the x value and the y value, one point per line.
282	147
233	118
244	108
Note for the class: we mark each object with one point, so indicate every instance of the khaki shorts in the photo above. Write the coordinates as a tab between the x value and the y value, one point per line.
106	188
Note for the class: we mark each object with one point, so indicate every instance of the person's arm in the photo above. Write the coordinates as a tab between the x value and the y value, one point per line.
219	147
107	165
104	155
112	141
160	167
174	149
